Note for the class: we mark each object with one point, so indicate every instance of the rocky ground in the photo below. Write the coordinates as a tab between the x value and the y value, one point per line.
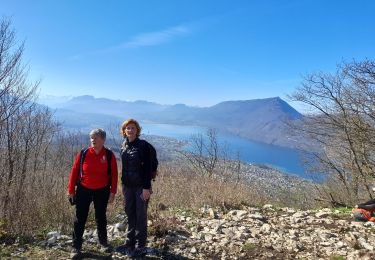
248	233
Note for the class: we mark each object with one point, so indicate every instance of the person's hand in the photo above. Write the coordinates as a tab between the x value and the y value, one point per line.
146	194
71	198
111	198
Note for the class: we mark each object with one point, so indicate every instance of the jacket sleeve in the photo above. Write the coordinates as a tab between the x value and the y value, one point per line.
74	175
114	173
146	169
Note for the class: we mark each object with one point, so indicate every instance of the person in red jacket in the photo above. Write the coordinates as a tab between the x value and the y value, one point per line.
94	183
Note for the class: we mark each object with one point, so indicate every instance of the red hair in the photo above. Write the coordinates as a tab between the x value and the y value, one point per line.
130	121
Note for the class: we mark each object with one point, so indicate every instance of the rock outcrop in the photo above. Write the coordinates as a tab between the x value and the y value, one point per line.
248	233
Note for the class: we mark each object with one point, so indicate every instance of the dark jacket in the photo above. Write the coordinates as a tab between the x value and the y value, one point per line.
136	164
369	205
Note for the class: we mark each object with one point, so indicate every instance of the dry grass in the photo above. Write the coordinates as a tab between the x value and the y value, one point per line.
45	207
179	187
39	208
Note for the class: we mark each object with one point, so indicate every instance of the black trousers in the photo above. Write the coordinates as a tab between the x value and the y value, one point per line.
136	210
84	197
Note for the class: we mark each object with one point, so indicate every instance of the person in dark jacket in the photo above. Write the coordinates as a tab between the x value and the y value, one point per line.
136	182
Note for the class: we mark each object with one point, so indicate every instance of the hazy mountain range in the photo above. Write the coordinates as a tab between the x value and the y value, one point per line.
261	120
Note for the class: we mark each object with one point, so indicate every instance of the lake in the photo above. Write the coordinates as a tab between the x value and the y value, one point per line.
284	159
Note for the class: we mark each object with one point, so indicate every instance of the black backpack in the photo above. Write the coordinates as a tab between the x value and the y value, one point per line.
82	158
154	160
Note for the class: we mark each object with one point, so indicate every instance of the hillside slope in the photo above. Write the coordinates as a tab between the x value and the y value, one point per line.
262	120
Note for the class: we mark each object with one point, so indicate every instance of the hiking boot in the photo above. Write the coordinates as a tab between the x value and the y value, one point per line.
139	252
75	253
126	249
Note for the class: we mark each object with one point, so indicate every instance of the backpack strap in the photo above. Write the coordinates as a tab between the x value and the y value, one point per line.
83	153
109	154
81	159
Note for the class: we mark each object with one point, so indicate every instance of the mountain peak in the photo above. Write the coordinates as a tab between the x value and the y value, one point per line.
258	119
83	98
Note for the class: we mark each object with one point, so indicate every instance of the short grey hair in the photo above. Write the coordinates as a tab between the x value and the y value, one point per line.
98	132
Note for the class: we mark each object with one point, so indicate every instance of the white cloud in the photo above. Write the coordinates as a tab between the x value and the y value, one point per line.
141	40
156	38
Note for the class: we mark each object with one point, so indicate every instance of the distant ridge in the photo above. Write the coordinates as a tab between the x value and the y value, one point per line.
261	120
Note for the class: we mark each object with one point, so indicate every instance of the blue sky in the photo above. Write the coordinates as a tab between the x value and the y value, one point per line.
193	52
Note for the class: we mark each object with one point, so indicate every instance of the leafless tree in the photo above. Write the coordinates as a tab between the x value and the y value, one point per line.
342	126
210	158
35	156
204	154
15	89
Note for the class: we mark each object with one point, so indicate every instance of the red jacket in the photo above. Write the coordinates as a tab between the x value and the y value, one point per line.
94	171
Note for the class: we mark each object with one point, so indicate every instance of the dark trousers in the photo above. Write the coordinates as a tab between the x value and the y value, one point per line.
136	210
84	197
